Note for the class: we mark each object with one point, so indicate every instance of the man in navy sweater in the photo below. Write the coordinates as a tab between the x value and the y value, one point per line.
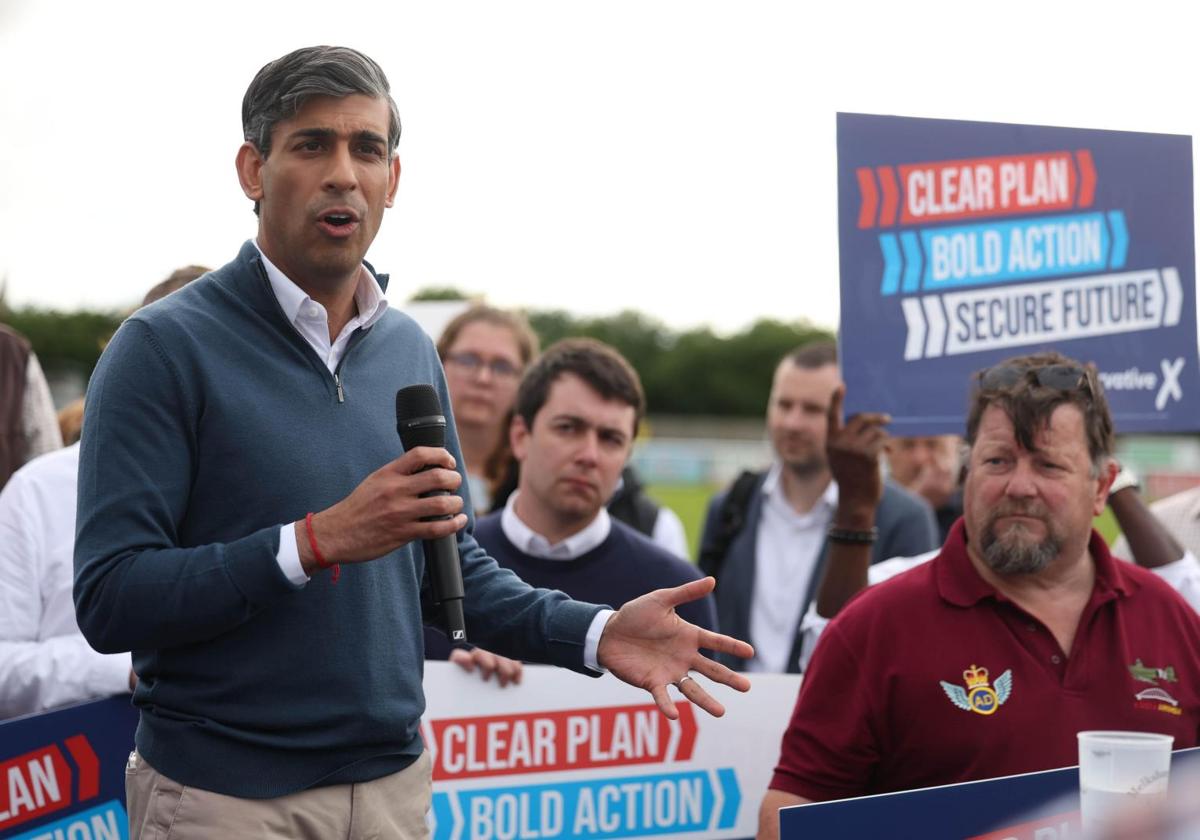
251	529
576	416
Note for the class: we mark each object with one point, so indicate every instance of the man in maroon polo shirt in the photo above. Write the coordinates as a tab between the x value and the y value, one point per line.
987	660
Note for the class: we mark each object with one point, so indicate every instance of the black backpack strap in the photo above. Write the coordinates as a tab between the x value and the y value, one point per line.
645	514
632	506
731	517
635	509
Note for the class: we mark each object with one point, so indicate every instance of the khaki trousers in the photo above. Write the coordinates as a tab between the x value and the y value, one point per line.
391	807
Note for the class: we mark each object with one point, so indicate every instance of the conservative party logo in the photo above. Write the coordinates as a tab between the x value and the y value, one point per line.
979	696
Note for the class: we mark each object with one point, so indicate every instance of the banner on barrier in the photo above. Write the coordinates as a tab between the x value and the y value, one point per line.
963	243
62	774
567	756
561	755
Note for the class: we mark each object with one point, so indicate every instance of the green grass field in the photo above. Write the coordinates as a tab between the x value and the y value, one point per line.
1106	524
690	501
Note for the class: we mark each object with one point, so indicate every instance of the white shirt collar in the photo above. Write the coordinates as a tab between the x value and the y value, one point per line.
771	487
535	545
368	295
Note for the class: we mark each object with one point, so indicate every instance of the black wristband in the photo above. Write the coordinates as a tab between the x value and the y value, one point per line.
848	535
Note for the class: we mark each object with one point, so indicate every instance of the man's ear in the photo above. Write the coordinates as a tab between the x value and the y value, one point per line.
1108	474
393	180
518	437
249	168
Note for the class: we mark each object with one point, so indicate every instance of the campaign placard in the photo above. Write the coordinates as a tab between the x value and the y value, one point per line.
964	243
568	756
62	774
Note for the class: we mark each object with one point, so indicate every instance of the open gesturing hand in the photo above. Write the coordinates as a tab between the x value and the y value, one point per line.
647	645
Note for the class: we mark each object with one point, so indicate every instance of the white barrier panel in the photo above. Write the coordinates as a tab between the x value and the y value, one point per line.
563	755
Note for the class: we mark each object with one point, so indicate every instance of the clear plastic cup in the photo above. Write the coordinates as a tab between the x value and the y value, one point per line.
1121	773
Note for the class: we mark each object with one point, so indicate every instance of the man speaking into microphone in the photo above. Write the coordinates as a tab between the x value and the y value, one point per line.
250	524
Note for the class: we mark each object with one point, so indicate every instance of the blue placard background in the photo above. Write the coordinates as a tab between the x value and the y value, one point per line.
1142	214
954	812
108	726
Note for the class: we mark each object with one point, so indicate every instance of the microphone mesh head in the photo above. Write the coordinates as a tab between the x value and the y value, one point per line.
420	402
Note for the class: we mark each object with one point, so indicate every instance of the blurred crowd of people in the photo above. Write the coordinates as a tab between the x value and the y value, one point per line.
547	438
955	619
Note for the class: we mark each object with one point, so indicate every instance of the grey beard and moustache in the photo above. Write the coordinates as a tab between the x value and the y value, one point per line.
1013	556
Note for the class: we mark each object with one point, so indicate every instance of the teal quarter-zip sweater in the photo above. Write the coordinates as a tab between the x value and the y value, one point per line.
210	423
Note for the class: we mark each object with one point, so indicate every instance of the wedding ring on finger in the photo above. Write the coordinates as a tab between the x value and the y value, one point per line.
682	680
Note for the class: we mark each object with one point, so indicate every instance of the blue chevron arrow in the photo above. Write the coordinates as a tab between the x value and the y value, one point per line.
444	816
912	261
733	797
891	264
1120	239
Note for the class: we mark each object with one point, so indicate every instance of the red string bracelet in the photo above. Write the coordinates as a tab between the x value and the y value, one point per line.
312	543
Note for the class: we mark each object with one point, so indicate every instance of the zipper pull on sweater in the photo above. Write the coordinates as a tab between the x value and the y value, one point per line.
341	394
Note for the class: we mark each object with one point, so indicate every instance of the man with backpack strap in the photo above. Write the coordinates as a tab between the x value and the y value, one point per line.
766	540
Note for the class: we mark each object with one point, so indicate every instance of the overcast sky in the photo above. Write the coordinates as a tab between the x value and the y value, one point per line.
673	157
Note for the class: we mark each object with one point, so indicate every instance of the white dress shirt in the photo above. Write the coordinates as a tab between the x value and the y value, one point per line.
311	320
535	545
788	546
578	544
669	532
44	659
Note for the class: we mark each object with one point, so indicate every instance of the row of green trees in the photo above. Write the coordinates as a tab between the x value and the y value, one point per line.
63	340
693	372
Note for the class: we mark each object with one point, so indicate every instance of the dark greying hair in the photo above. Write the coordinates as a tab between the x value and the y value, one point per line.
281	88
814	354
604	370
1029	404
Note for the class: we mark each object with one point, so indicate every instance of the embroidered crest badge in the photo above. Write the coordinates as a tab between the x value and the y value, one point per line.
979	696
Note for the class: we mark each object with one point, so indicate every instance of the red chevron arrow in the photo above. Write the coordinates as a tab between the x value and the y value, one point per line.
891	195
870	197
1087	177
88	764
687	731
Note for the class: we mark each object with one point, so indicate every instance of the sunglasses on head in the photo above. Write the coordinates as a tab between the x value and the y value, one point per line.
1057	377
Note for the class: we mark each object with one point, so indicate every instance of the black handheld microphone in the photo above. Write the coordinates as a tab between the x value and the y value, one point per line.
420	422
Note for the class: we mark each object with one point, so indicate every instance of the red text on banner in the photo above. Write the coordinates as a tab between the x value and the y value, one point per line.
33	785
940	191
576	739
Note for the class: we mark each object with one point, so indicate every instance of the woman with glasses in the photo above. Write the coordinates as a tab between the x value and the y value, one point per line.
484	351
